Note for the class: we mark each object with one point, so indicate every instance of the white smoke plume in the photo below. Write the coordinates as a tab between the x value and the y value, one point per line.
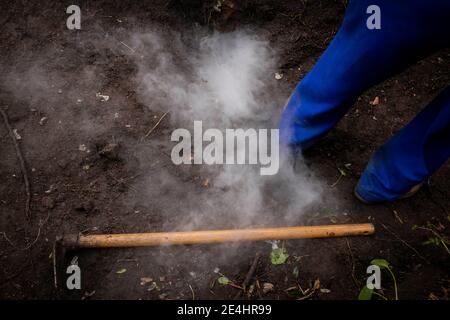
227	81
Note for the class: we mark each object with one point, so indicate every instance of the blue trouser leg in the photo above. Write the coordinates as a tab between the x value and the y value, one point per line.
359	58
411	156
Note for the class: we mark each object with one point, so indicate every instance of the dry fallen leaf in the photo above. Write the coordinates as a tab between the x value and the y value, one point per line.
17	135
82	148
43	121
102	97
267	287
153	286
375	101
145	280
278	76
316	284
432	296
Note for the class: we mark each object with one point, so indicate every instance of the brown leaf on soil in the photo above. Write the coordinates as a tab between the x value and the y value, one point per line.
375	101
267	287
316	284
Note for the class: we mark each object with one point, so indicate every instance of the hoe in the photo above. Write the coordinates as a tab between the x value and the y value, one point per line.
80	241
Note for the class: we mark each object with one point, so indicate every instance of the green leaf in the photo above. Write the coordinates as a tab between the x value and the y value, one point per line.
365	294
121	271
432	240
383	264
224	281
278	256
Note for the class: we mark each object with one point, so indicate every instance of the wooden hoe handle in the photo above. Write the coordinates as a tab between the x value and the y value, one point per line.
215	236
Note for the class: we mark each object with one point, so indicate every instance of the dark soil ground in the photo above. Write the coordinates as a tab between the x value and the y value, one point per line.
73	191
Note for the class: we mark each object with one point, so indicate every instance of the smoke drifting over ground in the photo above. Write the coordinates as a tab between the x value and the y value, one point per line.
225	80
222	78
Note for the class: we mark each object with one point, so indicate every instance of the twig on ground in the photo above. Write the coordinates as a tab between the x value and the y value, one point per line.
21	162
26	182
438	236
55	274
353	263
28	246
405	243
236	286
397	216
307	296
337	181
249	275
342	174
156	125
122	181
127	46
192	290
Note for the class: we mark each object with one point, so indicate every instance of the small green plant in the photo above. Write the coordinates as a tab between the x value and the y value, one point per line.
224	281
278	256
435	239
366	293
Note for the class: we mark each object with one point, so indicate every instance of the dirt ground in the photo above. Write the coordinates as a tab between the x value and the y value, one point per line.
75	191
